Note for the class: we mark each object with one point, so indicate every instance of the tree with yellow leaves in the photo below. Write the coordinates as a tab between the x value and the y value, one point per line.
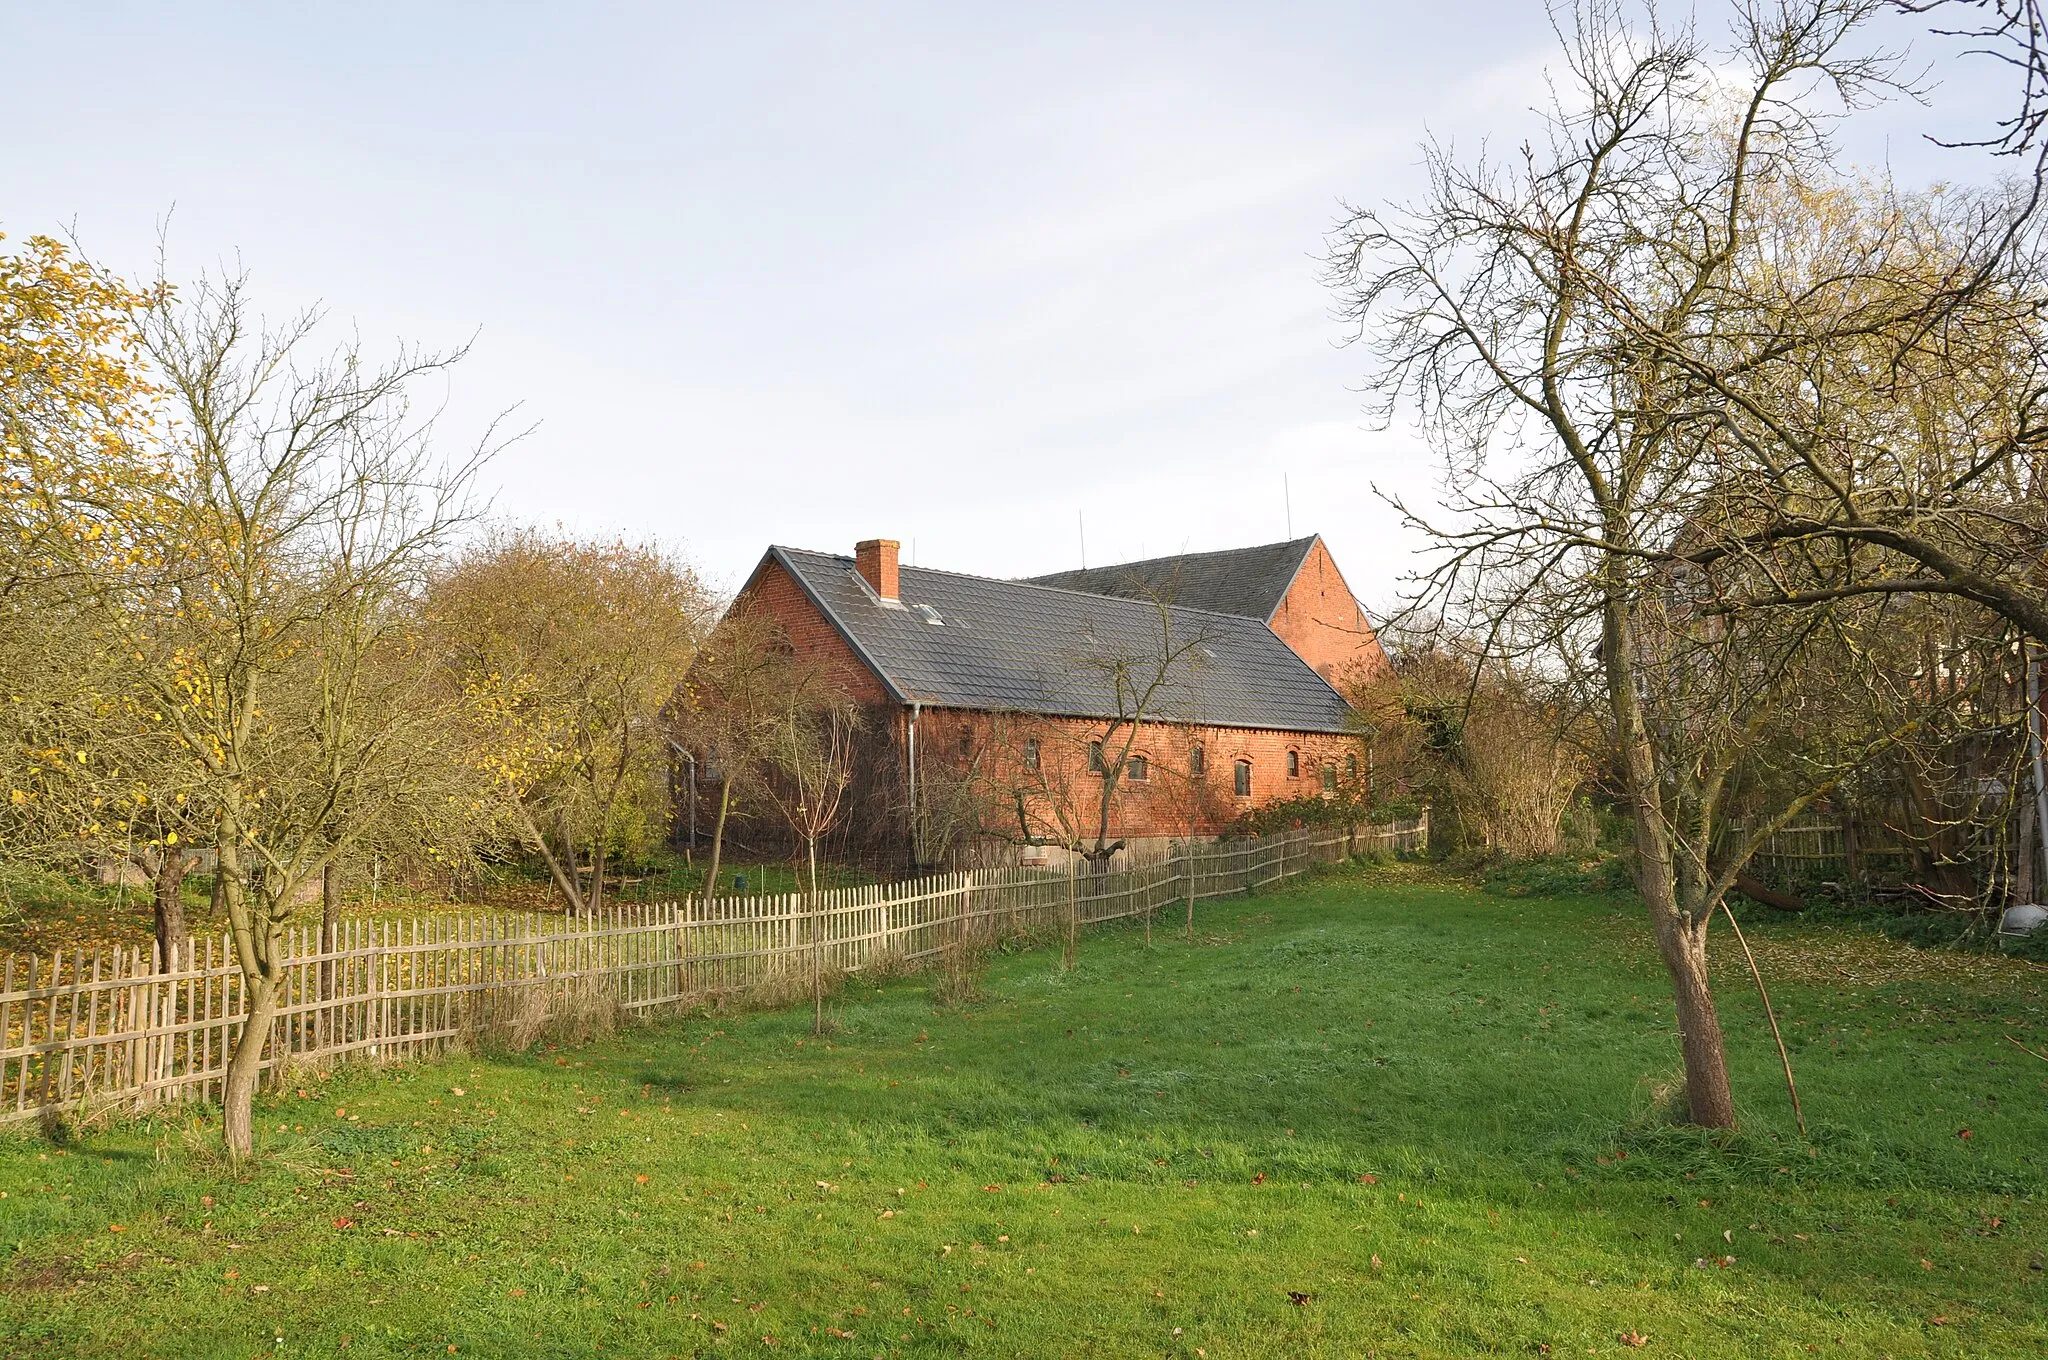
568	651
265	662
80	477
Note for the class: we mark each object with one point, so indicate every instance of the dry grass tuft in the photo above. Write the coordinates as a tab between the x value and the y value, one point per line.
570	1010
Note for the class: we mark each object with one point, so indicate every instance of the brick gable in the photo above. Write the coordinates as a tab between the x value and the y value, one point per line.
1321	620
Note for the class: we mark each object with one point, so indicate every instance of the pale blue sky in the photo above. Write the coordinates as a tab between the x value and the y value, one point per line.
810	274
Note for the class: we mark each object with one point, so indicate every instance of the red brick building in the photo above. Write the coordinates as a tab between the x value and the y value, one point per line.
995	708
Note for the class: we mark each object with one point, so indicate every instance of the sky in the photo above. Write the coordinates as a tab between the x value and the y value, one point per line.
983	279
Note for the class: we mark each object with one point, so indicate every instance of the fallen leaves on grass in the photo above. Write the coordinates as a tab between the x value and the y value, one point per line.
1634	1338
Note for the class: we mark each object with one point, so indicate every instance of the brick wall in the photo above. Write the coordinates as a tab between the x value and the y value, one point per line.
1320	619
810	632
1172	801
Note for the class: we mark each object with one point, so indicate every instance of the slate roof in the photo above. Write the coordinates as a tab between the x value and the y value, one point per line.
1015	646
1245	581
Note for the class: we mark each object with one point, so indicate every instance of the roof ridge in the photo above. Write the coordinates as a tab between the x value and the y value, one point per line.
1034	585
1173	557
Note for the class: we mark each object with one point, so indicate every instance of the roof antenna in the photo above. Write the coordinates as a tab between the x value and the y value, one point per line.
1081	519
1287	499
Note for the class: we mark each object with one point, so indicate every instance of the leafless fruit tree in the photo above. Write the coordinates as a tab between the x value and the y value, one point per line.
1506	307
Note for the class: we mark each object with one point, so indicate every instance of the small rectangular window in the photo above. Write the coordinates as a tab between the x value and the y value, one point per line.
1095	765
1294	764
1139	769
1031	754
1242	778
1198	761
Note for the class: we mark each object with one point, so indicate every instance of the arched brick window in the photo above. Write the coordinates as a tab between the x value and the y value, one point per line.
1241	775
1198	761
1294	764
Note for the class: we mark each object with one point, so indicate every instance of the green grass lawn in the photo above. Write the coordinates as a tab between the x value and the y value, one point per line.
1370	1115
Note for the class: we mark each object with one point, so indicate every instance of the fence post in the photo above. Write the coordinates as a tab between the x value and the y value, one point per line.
374	966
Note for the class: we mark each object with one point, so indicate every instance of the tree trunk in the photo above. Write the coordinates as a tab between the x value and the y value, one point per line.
563	875
579	901
718	838
1073	912
246	1067
1710	1103
169	884
1750	886
817	944
1681	940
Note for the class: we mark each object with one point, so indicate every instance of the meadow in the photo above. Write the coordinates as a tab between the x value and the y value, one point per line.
1375	1114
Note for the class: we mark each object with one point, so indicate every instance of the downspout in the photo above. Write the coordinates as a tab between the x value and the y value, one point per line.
689	759
916	826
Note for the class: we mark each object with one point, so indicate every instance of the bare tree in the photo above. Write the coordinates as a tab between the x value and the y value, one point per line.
268	623
1061	779
1498	746
811	756
1499	305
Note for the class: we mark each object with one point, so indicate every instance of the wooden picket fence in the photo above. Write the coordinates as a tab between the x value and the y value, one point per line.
112	1029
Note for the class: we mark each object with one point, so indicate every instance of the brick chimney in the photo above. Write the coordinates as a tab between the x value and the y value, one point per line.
875	559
